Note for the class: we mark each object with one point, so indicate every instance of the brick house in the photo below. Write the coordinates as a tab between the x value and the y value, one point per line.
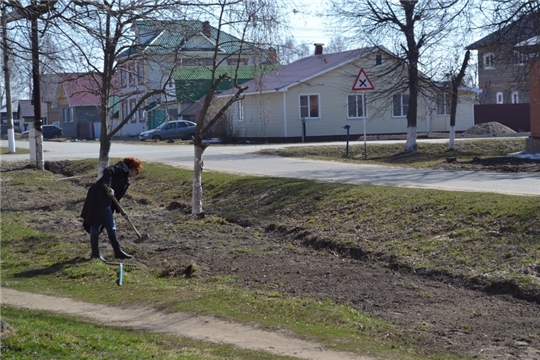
532	48
503	73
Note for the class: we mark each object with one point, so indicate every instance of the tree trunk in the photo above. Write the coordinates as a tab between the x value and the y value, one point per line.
197	207
36	148
410	145
104	149
452	138
456	82
413	54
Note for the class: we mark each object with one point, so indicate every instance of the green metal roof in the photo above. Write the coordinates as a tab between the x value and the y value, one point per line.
205	73
193	82
168	36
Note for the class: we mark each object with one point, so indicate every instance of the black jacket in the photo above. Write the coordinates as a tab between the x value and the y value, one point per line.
97	201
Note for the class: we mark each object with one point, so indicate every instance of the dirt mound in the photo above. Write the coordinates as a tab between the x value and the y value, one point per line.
489	129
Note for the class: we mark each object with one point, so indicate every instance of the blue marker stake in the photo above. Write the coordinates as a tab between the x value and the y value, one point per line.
120	274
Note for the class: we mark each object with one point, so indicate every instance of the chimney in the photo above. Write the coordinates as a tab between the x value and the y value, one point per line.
206	30
272	57
318	48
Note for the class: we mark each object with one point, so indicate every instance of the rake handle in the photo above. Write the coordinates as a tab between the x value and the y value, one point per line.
122	212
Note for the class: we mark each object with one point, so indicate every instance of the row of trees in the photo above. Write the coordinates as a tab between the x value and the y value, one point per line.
97	37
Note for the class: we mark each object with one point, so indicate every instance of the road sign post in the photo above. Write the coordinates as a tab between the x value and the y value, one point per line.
363	83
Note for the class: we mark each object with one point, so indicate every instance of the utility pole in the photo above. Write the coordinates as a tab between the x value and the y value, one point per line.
9	110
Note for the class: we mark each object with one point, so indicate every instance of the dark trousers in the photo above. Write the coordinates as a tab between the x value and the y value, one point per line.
108	223
110	226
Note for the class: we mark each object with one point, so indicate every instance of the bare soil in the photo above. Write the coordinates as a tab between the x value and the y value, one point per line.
436	313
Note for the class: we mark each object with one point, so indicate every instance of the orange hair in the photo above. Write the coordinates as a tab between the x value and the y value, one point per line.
133	163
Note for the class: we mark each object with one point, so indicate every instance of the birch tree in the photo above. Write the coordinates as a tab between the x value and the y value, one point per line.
256	25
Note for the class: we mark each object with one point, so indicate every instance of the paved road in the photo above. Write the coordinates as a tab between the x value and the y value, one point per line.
242	160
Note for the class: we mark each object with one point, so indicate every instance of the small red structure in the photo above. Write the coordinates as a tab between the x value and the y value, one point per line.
533	143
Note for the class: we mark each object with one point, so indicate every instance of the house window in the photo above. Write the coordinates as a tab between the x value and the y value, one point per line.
489	61
356	105
400	105
443	104
500	98
141	114
123	77
131	108
140	73
309	106
197	61
124	110
170	90
515	97
131	74
68	114
239	113
520	58
236	61
378	59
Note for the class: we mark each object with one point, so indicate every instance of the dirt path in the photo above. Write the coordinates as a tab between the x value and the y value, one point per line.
203	328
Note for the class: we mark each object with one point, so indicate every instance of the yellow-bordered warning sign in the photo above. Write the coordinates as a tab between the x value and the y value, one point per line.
362	82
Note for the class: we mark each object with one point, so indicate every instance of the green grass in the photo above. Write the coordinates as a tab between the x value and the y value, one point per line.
4	150
475	236
39	335
394	154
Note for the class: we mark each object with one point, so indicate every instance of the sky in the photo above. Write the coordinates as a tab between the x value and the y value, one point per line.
306	26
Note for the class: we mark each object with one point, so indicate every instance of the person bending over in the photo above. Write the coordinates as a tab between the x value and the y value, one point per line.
97	212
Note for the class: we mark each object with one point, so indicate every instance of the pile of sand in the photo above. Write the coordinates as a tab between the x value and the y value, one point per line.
489	129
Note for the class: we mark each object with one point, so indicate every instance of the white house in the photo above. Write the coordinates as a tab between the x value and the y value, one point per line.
315	97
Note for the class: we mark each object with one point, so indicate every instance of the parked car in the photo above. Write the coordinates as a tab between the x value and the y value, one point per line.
49	132
170	130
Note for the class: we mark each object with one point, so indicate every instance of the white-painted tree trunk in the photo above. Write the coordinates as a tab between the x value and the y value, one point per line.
103	163
410	145
197	198
11	140
452	137
36	149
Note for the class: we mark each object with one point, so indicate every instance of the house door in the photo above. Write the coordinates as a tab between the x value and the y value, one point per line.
155	118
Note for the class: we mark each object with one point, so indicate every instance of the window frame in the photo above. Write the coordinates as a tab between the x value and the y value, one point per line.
488	61
309	106
239	111
68	114
520	58
515	97
404	105
364	108
131	107
499	98
445	103
124	109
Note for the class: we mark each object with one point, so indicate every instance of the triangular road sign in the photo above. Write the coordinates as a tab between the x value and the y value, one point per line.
362	82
